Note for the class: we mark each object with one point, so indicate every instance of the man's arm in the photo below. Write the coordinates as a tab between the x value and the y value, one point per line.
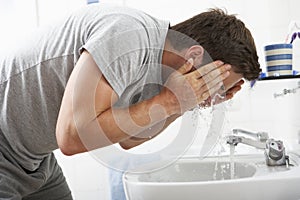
145	135
88	121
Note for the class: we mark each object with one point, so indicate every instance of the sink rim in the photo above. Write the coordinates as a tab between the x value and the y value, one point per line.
242	159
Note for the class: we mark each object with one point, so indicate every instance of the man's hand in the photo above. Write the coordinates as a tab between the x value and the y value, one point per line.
223	96
185	89
232	91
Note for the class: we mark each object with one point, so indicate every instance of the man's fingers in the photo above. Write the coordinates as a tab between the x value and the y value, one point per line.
209	84
211	80
235	88
186	67
241	82
215	67
210	67
213	86
209	91
232	91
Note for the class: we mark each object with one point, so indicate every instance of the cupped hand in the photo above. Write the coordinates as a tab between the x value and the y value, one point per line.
185	89
221	97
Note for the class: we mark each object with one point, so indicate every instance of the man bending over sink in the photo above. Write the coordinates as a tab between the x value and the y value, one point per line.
107	75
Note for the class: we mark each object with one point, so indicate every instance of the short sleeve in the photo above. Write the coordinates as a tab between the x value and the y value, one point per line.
119	44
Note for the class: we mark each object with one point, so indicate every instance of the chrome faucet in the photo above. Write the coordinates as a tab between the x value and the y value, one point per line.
274	149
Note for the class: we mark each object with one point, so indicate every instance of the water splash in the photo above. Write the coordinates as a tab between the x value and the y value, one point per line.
221	147
214	99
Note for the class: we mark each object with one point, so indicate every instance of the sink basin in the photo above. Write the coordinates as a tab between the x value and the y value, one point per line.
214	178
190	170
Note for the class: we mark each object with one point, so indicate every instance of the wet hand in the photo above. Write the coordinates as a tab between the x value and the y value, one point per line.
223	96
186	89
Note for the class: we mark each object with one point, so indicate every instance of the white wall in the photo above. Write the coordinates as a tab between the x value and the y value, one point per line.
267	19
18	18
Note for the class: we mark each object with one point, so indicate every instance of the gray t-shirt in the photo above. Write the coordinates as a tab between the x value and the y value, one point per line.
125	43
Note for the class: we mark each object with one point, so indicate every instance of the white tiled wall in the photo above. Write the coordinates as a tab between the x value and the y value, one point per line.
267	19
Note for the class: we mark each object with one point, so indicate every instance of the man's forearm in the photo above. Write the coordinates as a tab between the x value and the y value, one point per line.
119	124
136	120
154	130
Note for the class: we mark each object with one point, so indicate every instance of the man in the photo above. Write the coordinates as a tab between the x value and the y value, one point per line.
109	75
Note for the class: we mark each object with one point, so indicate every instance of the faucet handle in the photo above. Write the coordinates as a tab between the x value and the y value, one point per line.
275	149
275	153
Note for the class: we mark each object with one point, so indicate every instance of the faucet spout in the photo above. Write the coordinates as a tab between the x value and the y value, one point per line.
261	136
234	140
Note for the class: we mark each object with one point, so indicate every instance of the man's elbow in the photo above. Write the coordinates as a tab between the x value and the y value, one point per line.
131	142
67	143
125	146
64	143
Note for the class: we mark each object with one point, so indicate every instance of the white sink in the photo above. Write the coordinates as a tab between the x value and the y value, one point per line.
211	178
191	170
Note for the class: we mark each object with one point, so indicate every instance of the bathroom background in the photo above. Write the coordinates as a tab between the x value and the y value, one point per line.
270	21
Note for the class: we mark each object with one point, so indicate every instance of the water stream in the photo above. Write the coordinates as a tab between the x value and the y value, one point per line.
231	158
221	169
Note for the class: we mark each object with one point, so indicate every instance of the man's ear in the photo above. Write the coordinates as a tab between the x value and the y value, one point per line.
196	52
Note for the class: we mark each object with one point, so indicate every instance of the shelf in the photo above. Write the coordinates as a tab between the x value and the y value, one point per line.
279	77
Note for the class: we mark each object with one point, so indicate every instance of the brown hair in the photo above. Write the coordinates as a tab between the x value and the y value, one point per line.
224	37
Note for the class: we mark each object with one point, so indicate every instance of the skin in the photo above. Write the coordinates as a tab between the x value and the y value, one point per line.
88	121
